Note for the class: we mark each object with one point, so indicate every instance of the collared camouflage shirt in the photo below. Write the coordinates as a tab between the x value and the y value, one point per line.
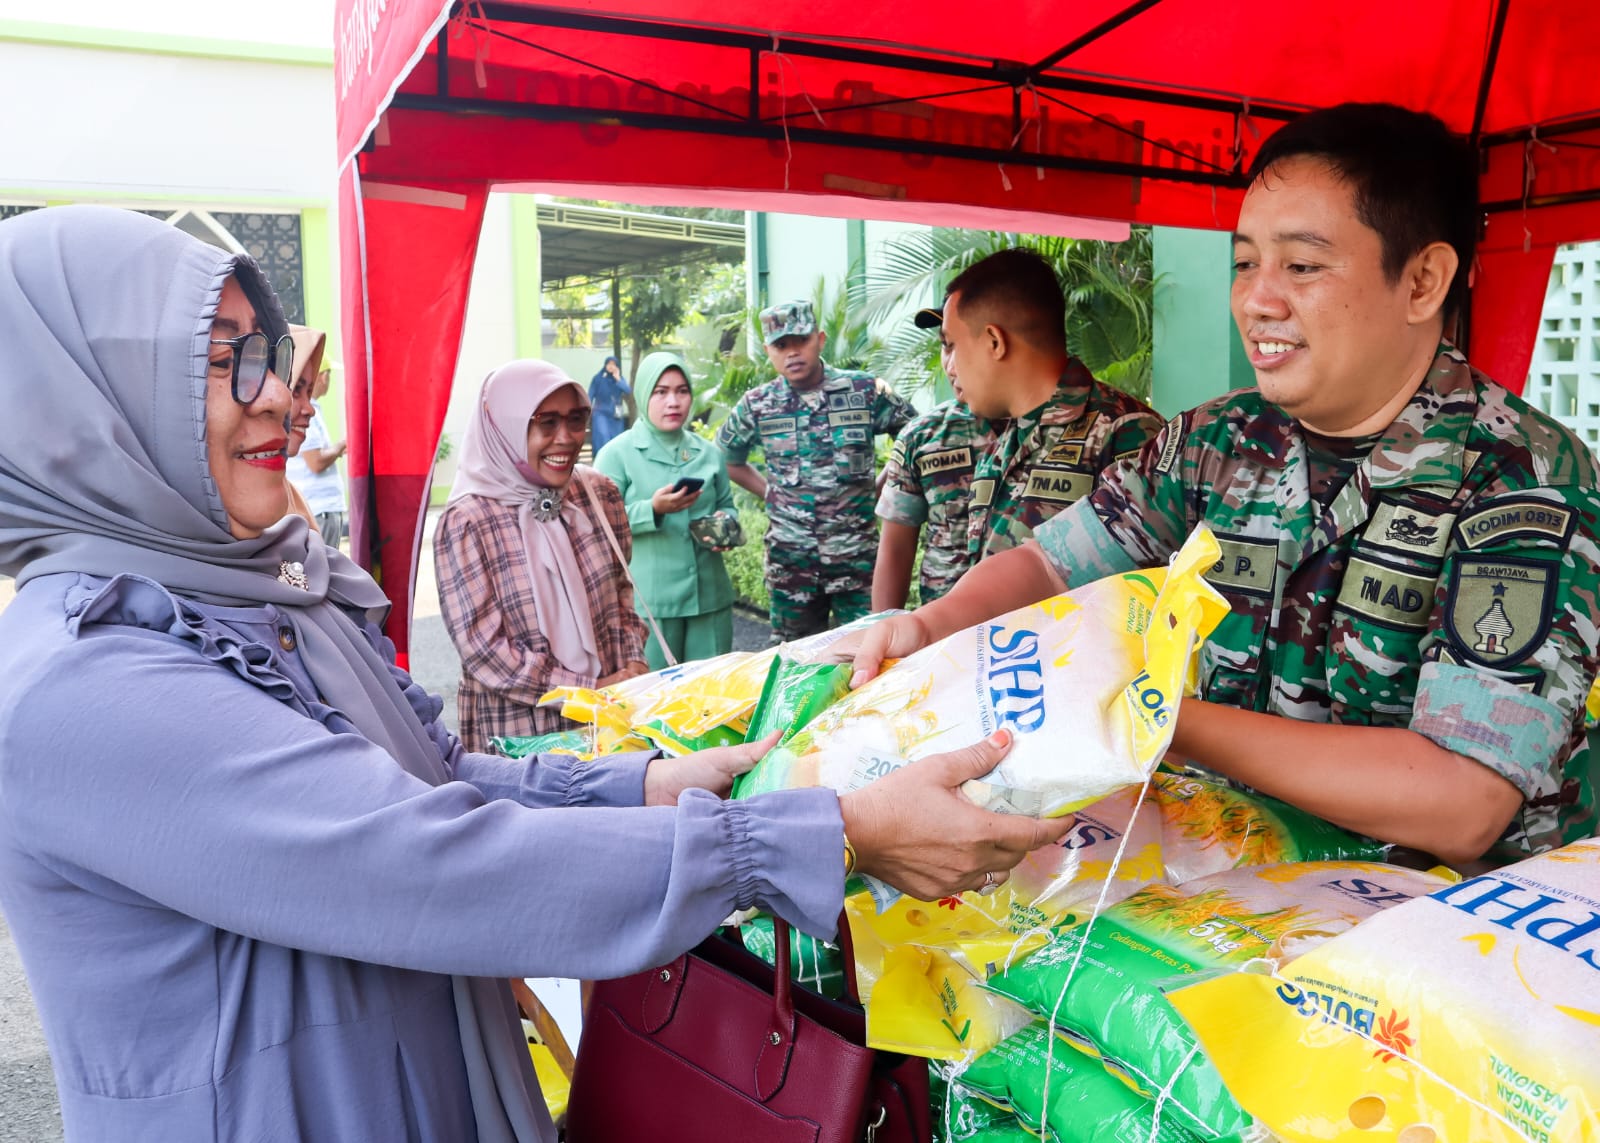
928	480
1052	457
1451	586
821	466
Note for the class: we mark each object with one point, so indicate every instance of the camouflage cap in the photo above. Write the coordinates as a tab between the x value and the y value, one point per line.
788	319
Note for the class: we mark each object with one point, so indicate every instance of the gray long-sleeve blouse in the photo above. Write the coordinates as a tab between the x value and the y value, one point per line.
238	916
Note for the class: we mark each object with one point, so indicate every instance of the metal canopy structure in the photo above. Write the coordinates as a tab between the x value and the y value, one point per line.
582	244
1037	117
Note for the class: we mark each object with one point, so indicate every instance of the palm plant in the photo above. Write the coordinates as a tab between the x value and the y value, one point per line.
1109	289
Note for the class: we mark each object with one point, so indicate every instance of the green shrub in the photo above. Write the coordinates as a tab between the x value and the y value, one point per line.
746	563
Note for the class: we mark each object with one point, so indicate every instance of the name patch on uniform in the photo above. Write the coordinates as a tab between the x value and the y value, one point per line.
983	492
1058	484
1248	566
1067	453
1517	518
1409	529
1392	596
777	426
849	417
1169	450
1499	610
936	462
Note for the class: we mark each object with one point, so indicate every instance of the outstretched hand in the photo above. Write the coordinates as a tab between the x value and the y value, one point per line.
868	649
915	829
714	770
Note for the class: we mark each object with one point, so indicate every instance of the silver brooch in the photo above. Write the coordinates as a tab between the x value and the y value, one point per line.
293	573
546	505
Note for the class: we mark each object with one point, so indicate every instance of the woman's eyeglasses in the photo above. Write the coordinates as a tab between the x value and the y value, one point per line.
252	355
576	421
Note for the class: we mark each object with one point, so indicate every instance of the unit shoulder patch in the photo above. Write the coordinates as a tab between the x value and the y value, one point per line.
1517	518
1499	610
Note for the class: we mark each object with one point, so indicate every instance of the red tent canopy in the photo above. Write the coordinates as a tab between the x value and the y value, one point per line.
1029	118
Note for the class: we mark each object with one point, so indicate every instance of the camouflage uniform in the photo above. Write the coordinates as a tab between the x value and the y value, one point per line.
821	540
1450	587
1051	458
928	480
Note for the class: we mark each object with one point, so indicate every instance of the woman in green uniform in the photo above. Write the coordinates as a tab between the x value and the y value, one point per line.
680	508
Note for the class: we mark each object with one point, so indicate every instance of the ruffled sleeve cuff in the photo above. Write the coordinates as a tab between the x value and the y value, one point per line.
785	853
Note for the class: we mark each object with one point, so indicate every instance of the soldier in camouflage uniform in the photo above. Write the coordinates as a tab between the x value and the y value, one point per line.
816	425
1058	430
1055	428
928	480
1415	582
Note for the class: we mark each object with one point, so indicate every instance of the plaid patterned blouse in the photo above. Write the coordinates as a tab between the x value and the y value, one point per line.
486	597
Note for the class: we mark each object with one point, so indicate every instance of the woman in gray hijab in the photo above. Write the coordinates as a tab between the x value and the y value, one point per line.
258	889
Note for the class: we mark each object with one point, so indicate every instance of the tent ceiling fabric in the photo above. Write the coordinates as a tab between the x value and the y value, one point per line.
1036	117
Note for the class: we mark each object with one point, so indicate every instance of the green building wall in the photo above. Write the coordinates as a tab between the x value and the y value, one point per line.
1196	347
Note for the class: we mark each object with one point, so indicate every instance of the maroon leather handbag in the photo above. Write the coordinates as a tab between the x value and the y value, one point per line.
720	1045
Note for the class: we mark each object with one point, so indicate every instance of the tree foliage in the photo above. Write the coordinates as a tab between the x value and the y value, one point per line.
1109	289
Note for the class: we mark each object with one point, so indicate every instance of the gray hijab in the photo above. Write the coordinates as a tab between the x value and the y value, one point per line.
105	317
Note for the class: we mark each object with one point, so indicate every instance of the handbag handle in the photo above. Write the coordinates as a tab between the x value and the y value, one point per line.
605	526
847	950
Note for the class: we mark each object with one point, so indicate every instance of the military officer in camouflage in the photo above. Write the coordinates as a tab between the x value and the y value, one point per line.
1410	550
816	425
928	480
1056	428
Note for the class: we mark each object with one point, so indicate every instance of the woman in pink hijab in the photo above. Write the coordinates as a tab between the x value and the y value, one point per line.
530	588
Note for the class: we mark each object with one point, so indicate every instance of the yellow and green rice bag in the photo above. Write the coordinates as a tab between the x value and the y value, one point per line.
1057	1091
1104	981
1087	682
1470	1015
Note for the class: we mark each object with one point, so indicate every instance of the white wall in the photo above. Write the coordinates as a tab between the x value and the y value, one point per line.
84	123
802	249
305	23
489	337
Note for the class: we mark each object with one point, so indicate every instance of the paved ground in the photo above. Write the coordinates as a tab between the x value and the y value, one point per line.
28	1109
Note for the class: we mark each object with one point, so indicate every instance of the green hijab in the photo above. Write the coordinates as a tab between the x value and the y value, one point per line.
644	383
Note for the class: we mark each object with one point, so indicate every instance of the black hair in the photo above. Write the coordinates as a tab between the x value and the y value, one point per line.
1017	290
1415	180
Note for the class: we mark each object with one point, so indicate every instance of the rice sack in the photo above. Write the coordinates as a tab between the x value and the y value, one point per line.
692	706
1103	981
1208	826
1471	1015
960	1115
578	742
1087	682
1059	1091
1053	888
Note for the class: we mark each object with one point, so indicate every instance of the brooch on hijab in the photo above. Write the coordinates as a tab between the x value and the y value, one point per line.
293	573
546	505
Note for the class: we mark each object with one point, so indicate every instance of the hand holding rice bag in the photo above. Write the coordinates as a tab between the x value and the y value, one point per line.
1087	682
1471	1015
1104	980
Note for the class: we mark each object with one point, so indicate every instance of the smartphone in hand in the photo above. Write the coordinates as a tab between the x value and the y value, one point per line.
689	484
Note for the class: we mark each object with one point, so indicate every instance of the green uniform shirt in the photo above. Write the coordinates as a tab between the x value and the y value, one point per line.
821	466
1450	587
928	480
1052	457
